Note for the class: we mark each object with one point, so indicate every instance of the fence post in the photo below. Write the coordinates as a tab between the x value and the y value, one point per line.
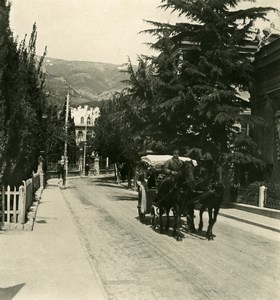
262	190
117	173
96	165
40	170
107	165
8	204
22	203
3	204
42	180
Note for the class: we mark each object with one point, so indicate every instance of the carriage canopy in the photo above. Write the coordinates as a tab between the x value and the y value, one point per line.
157	161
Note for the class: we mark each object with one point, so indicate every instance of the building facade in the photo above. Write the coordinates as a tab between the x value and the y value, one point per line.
266	104
84	119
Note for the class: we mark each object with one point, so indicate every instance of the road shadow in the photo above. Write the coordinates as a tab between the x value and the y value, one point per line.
108	184
10	292
42	222
104	179
146	221
184	230
127	198
51	185
197	234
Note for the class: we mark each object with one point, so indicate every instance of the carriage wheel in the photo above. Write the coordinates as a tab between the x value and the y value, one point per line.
141	215
153	219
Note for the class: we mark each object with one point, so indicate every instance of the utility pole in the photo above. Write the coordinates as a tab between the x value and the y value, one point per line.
85	151
66	140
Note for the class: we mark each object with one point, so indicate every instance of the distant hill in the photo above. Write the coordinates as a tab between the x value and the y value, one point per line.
87	82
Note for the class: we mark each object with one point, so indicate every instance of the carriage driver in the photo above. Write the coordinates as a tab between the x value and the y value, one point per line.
173	165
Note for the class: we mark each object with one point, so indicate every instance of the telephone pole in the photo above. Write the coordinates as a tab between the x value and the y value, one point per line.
65	142
85	150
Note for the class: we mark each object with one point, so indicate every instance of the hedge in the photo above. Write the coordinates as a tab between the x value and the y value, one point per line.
250	195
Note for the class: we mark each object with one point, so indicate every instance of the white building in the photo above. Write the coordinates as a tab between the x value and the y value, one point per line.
84	119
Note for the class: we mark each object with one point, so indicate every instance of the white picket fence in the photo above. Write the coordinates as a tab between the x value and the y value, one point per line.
15	203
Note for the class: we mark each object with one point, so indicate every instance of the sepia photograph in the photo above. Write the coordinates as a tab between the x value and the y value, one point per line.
140	150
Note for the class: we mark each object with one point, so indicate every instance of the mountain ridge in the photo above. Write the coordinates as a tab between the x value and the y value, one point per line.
87	82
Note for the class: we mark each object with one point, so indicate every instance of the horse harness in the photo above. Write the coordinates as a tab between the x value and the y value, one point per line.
175	187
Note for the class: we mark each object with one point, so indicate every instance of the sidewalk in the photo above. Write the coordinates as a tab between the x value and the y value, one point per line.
49	262
251	218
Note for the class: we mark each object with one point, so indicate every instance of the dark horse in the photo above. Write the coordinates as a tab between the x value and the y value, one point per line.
172	193
210	199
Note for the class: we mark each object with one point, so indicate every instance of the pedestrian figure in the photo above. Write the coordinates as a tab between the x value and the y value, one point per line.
86	169
58	169
63	172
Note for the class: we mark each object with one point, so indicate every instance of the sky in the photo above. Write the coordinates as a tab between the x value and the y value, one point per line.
94	30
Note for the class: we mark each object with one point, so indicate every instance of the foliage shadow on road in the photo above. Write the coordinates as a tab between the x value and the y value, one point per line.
104	179
107	182
185	232
126	198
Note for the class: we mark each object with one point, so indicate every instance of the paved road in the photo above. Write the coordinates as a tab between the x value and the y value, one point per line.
136	262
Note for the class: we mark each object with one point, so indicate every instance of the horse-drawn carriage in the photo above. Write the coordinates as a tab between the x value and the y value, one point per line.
150	174
180	195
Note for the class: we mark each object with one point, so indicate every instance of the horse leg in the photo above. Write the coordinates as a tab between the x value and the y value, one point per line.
167	220
209	234
174	224
216	212
177	218
160	220
201	211
190	218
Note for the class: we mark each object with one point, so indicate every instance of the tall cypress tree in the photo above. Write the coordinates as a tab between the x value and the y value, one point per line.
22	100
8	70
24	112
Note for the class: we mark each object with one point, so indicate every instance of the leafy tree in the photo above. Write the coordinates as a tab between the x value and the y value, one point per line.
139	102
108	131
202	64
188	95
114	136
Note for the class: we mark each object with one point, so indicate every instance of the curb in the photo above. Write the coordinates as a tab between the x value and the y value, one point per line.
31	215
263	211
249	222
